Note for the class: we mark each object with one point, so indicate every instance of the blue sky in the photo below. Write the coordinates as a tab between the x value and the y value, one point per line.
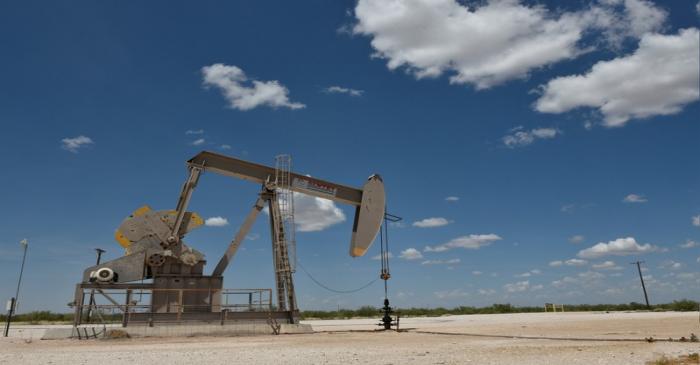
567	136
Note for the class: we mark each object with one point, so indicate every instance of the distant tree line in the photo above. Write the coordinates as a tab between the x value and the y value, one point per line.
684	305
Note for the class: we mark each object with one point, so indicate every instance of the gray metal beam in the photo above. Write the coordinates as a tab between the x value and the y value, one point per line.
182	203
234	167
240	236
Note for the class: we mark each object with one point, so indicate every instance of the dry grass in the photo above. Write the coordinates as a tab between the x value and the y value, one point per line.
116	335
689	359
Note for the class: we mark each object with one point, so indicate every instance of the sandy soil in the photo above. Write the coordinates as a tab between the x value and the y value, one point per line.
593	338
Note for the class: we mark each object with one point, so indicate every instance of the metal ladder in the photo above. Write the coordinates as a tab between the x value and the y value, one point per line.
286	298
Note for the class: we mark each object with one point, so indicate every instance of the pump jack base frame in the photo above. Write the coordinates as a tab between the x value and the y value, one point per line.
174	312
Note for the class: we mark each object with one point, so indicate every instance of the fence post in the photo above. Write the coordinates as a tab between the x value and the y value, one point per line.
125	320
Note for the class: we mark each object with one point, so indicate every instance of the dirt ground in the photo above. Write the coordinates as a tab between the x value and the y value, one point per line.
533	338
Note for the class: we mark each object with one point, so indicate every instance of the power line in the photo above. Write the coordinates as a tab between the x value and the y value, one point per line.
331	289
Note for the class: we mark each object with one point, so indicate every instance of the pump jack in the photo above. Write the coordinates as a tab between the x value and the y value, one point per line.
155	249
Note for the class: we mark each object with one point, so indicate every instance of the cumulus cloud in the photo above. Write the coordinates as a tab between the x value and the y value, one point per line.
488	43
570	262
452	198
441	262
671	265
76	143
198	142
695	220
658	79
431	222
411	254
590	276
486	292
635	198
312	214
194	131
225	147
343	90
575	262
690	244
577	238
477	272
243	93
216	222
527	274
619	247
521	138
607	265
472	241
456	293
520	286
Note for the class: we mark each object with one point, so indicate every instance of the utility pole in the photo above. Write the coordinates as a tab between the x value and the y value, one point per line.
641	277
92	292
12	303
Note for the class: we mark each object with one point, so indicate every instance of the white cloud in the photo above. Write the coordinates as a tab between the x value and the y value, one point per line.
619	247
590	276
486	292
312	214
198	142
343	90
216	222
76	143
671	265
577	239
243	93
529	273
575	262
225	147
452	198
658	79
570	262
477	272
441	262
635	198
607	265
564	282
686	276
431	222
520	286
568	208
194	131
521	138
490	42
697	7
696	220
628	18
473	242
690	244
456	293
411	254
